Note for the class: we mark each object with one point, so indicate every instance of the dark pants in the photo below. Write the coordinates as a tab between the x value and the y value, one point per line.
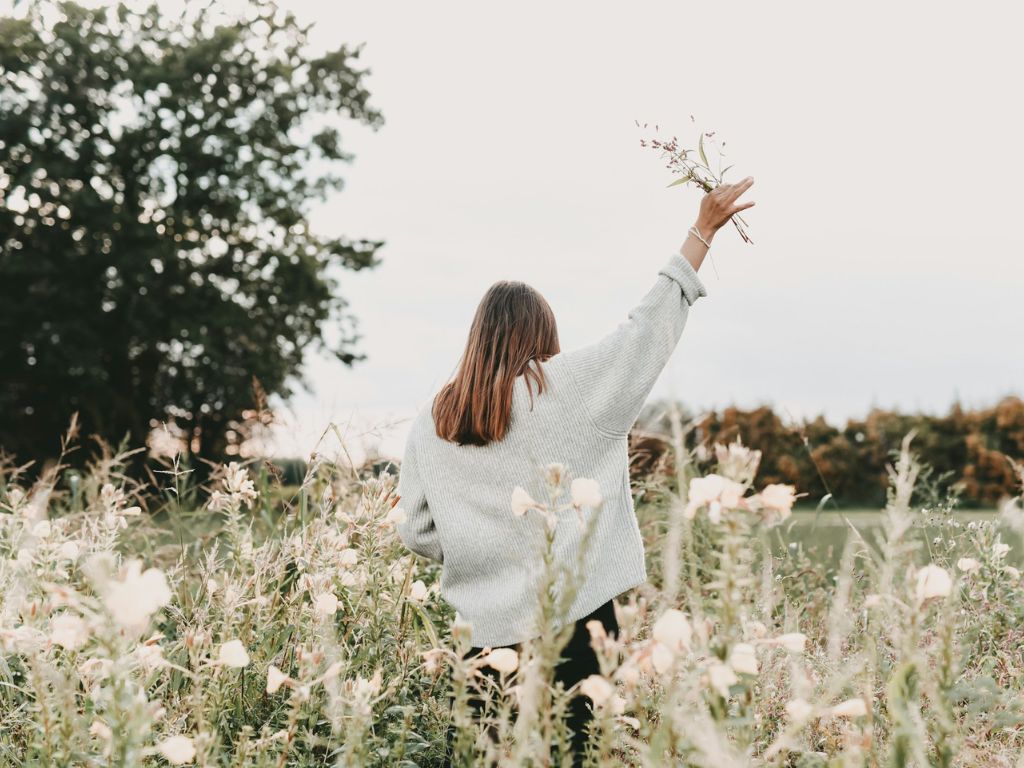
578	662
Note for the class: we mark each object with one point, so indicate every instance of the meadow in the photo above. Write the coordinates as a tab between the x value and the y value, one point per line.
245	624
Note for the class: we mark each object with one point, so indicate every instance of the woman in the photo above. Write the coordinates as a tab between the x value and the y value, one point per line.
487	431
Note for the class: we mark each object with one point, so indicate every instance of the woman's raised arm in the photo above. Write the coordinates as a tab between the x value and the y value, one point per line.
616	374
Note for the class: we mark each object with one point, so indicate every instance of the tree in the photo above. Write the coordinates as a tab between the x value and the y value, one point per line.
155	255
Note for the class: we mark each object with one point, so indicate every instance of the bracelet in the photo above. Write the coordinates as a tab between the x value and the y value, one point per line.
696	233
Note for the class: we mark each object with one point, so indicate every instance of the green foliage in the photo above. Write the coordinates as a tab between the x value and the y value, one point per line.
155	175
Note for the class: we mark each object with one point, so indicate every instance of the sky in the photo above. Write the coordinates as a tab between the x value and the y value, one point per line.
883	138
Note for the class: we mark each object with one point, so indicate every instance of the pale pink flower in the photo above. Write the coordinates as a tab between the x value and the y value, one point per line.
673	630
794	642
968	565
417	591
743	659
586	492
326	604
597	689
798	710
721	677
275	679
233	654
522	501
778	498
68	631
177	750
849	708
933	581
502	659
137	595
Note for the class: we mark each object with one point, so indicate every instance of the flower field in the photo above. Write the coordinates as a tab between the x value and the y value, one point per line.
240	625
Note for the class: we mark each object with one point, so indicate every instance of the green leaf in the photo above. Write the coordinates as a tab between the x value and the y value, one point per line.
681	180
425	621
700	149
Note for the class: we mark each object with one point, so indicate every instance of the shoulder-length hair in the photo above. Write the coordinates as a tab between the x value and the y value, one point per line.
513	331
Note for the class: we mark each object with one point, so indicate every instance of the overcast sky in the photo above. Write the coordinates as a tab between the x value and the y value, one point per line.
885	143
883	138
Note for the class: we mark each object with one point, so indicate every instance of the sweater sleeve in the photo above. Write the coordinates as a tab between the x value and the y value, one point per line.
417	531
615	375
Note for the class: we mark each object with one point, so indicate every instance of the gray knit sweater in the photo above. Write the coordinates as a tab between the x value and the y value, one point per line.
457	499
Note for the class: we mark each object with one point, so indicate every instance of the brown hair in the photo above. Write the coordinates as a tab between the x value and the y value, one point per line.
513	327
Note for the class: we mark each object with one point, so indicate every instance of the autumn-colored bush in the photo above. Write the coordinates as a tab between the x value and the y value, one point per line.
969	452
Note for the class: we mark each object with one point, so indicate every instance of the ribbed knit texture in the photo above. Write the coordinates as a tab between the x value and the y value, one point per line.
457	499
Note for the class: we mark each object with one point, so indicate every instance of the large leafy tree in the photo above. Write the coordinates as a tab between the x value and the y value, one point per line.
155	254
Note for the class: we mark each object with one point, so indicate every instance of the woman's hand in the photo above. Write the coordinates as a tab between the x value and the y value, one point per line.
719	205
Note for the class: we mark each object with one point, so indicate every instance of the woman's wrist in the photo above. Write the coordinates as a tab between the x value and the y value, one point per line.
694	247
707	232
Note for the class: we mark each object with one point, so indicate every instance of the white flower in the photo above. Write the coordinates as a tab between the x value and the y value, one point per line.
239	489
716	492
396	516
743	659
93	670
673	630
275	679
933	581
433	661
662	658
849	708
618	706
149	656
68	631
721	678
417	591
502	659
999	550
1012	572
326	604
794	642
737	461
22	639
348	557
553	474
137	595
42	529
521	501
233	654
798	710
703	490
100	730
779	499
756	628
68	551
177	750
968	565
597	688
586	492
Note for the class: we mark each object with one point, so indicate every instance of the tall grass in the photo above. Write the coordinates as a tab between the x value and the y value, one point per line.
230	626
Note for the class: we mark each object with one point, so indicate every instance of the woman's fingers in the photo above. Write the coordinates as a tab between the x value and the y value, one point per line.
719	205
738	208
735	190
